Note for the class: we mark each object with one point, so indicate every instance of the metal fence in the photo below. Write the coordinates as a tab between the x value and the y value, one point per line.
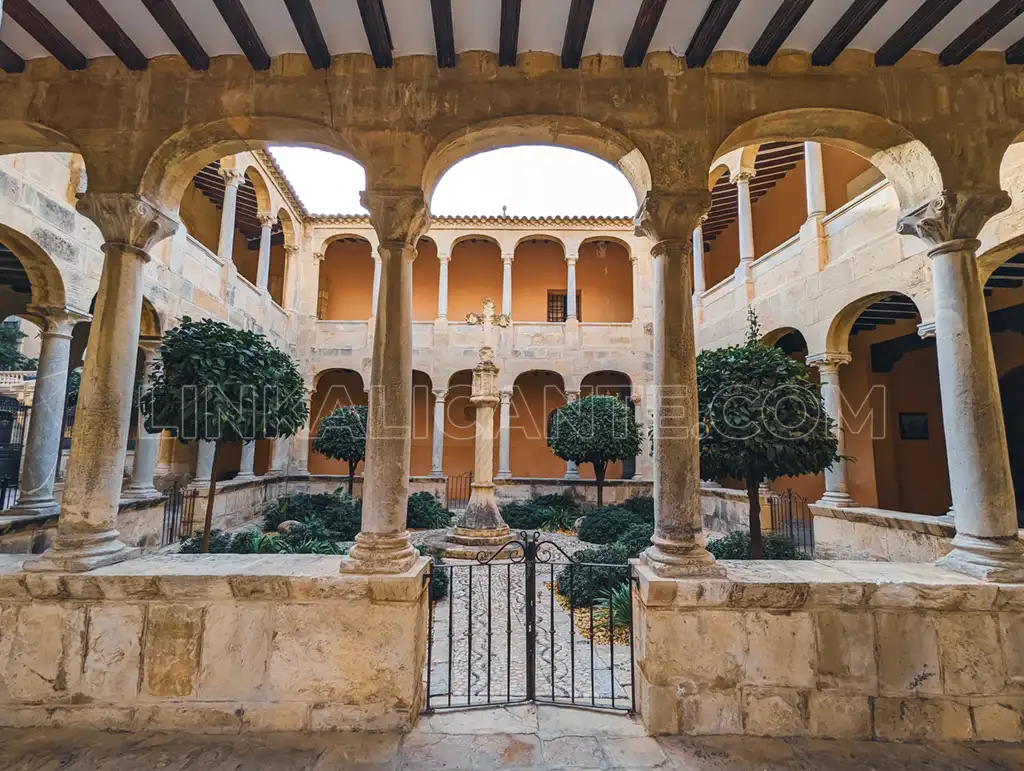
792	517
179	514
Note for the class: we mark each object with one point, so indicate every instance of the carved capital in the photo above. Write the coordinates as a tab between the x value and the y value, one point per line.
127	221
506	395
743	175
953	216
54	320
508	258
572	259
290	251
440	394
926	330
668	218
266	220
444	259
232	177
829	361
318	257
399	216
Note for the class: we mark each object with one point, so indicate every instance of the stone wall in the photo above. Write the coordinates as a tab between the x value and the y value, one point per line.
838	650
876	534
725	510
216	644
615	490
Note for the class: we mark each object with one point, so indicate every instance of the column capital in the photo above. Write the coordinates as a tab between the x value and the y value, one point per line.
318	257
506	395
743	175
670	218
440	394
572	257
232	177
508	258
953	216
398	215
150	344
443	258
267	220
127	220
829	361
290	251
571	395
926	329
53	320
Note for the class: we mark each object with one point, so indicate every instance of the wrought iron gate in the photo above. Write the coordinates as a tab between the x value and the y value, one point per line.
541	627
792	518
13	420
179	514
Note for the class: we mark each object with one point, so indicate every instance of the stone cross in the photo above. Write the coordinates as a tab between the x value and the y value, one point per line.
488	318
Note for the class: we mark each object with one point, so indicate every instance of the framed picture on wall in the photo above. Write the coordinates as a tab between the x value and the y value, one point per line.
913	425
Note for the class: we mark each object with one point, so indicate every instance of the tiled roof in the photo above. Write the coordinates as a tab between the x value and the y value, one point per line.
483	221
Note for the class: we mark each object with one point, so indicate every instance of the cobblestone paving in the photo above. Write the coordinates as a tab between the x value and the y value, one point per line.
479	641
524	737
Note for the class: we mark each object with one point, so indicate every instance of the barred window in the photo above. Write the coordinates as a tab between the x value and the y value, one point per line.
557	312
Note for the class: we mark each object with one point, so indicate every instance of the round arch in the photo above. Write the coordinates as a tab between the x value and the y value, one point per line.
28	137
259	184
540	236
287	228
838	336
611	240
473	237
904	160
559	131
43	274
777	334
345	235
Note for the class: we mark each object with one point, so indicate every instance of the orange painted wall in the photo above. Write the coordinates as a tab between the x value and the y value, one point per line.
460	426
336	388
534	396
474	274
606	384
604	281
422	424
426	272
347	274
201	217
841	167
538	268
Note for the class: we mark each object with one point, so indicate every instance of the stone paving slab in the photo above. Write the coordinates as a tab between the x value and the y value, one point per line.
526	738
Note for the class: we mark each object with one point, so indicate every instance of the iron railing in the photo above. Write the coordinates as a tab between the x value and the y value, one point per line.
179	514
792	517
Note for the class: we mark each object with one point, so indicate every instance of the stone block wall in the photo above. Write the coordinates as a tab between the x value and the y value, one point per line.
876	534
831	650
213	644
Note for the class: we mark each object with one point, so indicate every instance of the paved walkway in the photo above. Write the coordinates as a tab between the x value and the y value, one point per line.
503	738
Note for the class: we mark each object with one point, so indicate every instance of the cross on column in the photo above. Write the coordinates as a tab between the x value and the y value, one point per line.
487	319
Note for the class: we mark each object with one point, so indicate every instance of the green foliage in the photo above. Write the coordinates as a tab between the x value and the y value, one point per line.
533	514
597	430
555	519
619	603
342	436
606	524
252	541
736	546
325	516
637	538
218	383
74	386
425	512
11	357
440	576
220	543
597	577
641	506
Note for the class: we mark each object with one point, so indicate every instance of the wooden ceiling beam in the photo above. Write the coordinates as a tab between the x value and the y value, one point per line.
782	23
844	31
508	40
576	33
110	32
920	23
178	32
244	32
378	34
647	18
709	31
981	31
47	35
444	32
312	37
10	62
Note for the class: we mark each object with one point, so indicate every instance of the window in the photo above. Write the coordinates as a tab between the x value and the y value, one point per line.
557	312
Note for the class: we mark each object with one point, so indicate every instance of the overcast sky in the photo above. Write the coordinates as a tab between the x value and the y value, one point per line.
531	181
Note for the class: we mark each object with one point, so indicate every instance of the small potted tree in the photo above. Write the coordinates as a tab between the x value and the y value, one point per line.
597	430
223	385
762	417
342	436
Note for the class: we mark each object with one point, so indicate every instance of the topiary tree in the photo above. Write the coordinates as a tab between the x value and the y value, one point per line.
761	418
219	384
596	430
342	436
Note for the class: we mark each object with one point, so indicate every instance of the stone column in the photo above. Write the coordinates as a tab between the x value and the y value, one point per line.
634	264
814	172
400	217
263	266
570	292
744	225
290	294
87	534
279	458
677	546
506	283
147	445
375	301
505	435
204	463
437	448
42	445
248	463
986	545
232	179
698	264
442	286
572	471
828	364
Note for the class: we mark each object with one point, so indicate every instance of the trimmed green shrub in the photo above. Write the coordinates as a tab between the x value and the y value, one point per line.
584	584
736	546
642	506
425	512
327	516
251	540
606	524
553	509
619	603
220	543
637	538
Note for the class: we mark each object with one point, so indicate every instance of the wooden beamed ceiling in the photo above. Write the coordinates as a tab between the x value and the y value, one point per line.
239	17
210	183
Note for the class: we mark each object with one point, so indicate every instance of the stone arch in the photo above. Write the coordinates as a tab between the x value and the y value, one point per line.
328	240
259	184
904	160
47	284
559	131
837	338
612	240
171	166
151	322
474	237
536	393
545	236
18	136
345	278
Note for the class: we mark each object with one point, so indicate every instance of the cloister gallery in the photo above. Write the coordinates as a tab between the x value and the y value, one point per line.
851	172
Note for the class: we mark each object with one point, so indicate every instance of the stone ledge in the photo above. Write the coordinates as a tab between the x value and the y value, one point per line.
218	577
894	520
787	585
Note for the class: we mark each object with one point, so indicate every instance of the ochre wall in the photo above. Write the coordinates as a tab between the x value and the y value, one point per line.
336	388
422	424
605	283
347	274
841	168
426	272
605	384
538	267
534	396
474	274
201	217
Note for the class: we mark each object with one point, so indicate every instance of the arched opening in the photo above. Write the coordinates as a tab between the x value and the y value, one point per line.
334	388
539	278
1011	385
604	278
789	340
345	288
618	384
459	424
474	274
422	424
426	274
535	395
281	269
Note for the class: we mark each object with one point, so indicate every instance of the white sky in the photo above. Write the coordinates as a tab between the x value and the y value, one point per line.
532	181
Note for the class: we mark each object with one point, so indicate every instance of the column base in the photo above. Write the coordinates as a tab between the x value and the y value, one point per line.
200	483
572	476
836	500
380	553
999	560
42	507
436	474
133	493
503	475
244	475
669	559
475	544
80	554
